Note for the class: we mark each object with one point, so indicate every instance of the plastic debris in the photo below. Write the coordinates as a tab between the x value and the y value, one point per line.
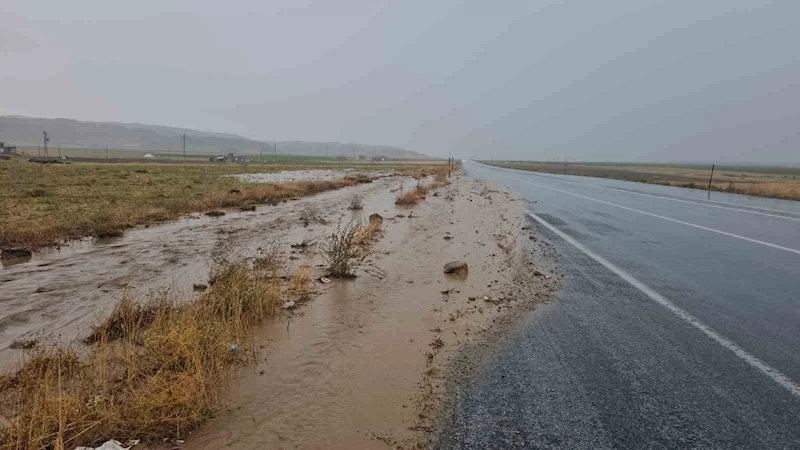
112	445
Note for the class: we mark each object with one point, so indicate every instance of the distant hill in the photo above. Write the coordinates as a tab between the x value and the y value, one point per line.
27	131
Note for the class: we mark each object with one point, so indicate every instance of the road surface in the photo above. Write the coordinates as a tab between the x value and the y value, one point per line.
678	325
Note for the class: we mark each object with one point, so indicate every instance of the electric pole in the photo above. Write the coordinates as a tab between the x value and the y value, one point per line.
46	140
59	152
106	152
326	151
184	145
275	146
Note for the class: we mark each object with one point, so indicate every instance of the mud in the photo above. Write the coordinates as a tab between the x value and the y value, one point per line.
303	175
362	364
62	291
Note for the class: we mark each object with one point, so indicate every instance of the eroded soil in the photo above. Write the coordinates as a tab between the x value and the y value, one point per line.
363	362
361	365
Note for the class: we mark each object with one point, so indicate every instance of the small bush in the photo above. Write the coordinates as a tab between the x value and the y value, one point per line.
39	192
341	251
406	198
420	189
356	202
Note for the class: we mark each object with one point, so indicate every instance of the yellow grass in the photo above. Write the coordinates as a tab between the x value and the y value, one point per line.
154	370
775	182
46	204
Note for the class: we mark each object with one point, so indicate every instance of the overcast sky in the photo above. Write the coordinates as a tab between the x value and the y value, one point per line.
639	80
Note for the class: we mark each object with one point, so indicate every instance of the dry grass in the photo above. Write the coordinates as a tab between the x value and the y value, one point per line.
47	204
366	232
421	190
775	182
300	282
342	250
406	198
154	370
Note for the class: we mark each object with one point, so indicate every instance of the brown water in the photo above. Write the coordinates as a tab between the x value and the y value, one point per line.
349	370
62	291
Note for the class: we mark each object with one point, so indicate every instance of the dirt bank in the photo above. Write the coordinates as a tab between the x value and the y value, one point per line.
361	365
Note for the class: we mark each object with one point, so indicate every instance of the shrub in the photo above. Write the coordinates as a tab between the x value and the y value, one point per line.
406	198
341	251
356	202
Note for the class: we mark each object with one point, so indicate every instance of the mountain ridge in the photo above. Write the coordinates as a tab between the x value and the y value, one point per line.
27	131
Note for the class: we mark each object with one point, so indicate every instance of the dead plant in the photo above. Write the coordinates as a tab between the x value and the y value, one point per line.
341	252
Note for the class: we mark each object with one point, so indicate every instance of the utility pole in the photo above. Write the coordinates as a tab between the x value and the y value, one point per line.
59	152
326	151
46	140
169	153
275	146
184	145
262	153
709	180
106	153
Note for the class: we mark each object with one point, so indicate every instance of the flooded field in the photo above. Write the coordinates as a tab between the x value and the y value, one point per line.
287	176
359	365
61	291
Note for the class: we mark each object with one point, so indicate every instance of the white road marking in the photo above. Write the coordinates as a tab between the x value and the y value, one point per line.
713	230
682	199
699	203
753	361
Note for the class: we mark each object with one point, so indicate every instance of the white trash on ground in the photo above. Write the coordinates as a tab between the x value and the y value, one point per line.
112	445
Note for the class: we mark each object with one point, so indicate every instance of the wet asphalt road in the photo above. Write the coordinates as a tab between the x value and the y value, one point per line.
607	366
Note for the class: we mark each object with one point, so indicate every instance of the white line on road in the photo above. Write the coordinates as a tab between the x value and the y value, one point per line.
713	230
564	178
778	377
699	203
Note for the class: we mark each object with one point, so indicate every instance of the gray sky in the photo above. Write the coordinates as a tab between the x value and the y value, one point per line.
639	80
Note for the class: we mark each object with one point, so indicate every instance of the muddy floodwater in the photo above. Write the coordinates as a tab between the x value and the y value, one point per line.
62	291
302	175
359	364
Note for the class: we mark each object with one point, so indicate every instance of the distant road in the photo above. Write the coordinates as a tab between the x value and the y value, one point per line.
678	325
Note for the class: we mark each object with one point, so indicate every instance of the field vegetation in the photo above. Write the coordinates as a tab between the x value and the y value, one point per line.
152	370
43	205
775	182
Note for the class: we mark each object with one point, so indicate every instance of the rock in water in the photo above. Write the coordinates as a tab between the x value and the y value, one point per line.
456	267
14	252
375	218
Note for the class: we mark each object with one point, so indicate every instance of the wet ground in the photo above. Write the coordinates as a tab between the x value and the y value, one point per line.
61	291
302	175
361	365
690	342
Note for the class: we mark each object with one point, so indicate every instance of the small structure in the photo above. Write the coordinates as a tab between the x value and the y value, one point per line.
7	149
148	156
379	158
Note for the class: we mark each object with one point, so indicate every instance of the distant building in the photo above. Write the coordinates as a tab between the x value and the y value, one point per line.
148	156
362	157
379	158
7	149
230	157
